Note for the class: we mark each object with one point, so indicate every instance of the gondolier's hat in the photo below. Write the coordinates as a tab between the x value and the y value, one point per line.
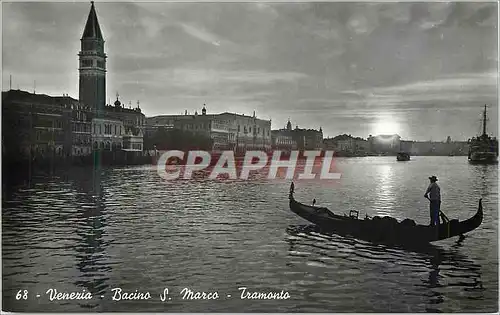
433	178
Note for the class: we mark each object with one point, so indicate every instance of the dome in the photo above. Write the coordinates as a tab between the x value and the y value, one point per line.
117	102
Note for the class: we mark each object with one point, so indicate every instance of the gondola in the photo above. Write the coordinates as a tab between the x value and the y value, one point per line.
386	229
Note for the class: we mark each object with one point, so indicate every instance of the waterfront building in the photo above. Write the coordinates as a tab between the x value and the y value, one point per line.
228	131
153	124
283	141
302	139
244	132
81	127
107	134
442	148
115	127
407	146
45	126
92	70
384	143
347	145
133	120
197	124
308	139
133	143
62	124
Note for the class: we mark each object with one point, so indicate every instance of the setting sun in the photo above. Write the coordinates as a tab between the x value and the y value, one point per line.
386	127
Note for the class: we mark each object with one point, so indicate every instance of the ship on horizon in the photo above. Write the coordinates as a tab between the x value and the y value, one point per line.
483	149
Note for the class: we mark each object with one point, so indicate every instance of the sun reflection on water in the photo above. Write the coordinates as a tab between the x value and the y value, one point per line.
385	190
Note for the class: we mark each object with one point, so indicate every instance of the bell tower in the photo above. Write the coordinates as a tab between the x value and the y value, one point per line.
92	64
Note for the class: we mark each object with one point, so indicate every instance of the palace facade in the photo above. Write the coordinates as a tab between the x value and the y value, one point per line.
287	139
228	131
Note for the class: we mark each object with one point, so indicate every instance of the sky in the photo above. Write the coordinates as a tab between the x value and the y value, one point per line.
421	70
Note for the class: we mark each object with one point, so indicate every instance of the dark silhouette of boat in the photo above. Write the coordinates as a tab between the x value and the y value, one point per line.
403	156
483	149
386	229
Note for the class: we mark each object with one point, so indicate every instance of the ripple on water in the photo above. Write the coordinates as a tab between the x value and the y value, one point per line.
126	228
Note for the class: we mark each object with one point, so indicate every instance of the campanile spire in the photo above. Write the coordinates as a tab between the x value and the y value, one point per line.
92	63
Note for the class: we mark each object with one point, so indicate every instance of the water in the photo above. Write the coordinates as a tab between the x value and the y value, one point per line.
127	228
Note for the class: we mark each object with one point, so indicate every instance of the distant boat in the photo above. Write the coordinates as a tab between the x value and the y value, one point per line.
483	149
403	156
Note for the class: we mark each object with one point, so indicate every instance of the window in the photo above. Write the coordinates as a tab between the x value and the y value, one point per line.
86	63
115	129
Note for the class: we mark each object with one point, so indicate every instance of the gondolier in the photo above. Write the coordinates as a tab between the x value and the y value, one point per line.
433	193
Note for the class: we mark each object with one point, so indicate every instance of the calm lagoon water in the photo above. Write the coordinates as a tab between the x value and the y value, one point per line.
126	228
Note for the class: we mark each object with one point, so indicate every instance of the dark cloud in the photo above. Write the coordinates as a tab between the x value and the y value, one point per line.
344	66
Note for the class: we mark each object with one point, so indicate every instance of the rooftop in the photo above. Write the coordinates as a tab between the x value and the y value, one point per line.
112	108
182	116
24	96
346	137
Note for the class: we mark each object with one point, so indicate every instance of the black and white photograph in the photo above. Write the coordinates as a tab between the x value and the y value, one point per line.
250	157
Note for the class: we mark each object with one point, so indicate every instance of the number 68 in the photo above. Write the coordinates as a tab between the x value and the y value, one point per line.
22	294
